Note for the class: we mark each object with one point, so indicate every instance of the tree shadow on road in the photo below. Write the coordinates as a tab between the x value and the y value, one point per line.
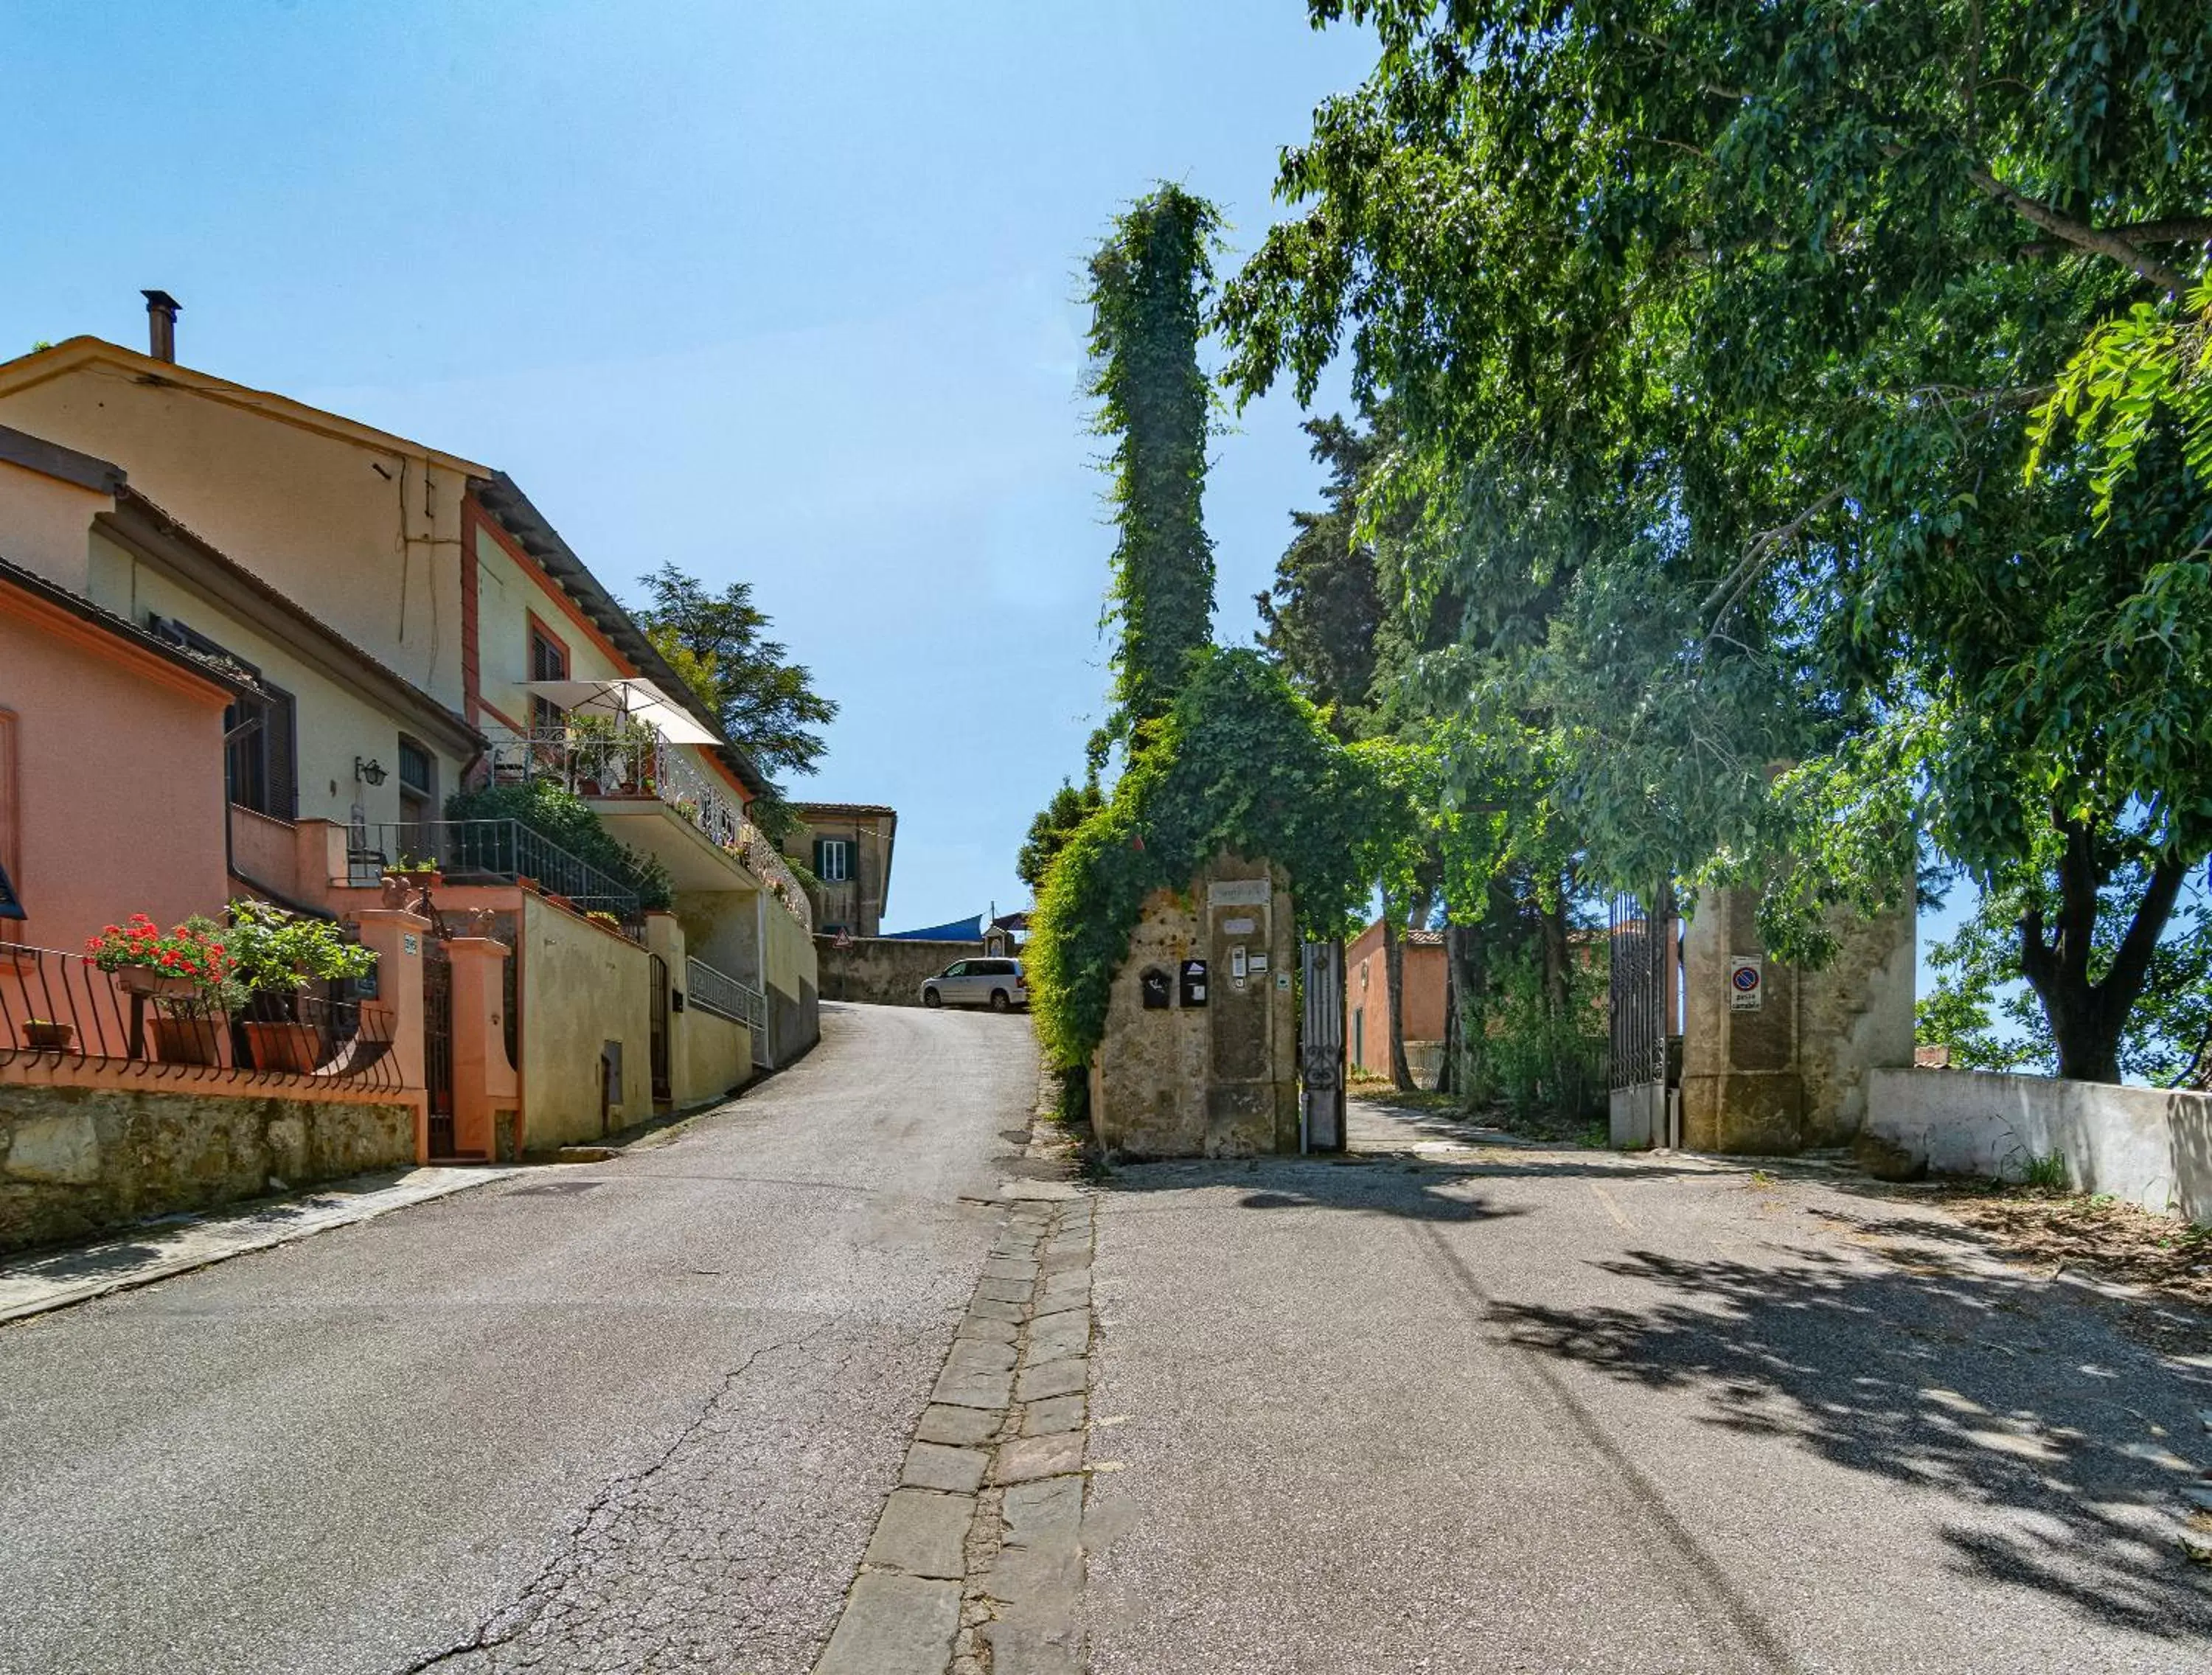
1424	1192
2060	1442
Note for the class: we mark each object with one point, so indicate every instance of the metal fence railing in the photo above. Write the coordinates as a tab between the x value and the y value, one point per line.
724	996
613	761
481	851
62	1008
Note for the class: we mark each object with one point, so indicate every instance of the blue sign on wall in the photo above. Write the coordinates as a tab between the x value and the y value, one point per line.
11	906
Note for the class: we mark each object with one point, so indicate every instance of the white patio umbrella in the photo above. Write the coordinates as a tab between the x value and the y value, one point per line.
627	700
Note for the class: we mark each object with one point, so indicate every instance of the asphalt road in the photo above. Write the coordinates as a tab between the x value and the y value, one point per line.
632	1416
1547	1411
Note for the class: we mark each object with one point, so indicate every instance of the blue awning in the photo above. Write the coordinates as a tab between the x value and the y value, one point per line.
960	930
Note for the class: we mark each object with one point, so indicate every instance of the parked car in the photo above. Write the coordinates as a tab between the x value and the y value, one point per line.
993	983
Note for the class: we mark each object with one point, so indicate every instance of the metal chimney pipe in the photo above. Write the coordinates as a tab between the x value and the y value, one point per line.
161	323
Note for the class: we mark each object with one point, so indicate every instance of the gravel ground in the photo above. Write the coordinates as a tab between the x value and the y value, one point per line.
638	1415
1541	1410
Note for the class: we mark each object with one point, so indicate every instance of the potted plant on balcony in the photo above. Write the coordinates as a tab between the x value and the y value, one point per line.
186	971
46	1035
274	954
594	762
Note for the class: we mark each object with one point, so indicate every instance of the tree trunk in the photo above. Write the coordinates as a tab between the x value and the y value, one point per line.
1466	980
2088	1020
1552	928
1393	974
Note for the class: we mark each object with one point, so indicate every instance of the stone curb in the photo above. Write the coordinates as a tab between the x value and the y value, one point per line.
38	1283
975	1566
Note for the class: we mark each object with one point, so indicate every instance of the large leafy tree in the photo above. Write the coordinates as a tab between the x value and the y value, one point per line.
1056	823
1322	618
767	704
1718	334
1151	281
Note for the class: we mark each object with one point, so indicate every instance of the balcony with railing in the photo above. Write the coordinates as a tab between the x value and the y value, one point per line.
652	795
491	852
60	1012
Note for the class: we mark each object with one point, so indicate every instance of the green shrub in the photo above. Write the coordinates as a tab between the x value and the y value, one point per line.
1241	763
2048	1173
561	817
1540	1058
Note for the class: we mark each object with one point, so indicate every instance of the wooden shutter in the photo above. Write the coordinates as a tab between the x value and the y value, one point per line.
280	734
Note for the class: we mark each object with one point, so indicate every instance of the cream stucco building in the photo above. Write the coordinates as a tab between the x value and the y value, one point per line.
393	603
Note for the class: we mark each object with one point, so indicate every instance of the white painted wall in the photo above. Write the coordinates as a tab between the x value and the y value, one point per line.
2146	1145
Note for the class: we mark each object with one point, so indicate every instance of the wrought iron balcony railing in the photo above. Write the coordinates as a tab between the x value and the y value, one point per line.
492	851
61	1009
614	760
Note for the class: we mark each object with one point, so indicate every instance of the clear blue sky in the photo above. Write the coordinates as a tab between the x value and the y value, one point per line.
783	291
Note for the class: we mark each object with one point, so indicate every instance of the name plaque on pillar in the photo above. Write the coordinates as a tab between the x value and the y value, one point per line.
1240	893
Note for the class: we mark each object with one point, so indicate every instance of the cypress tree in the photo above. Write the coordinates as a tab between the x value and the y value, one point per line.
1151	282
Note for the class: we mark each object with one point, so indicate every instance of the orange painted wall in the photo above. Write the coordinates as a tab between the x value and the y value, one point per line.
118	797
1367	992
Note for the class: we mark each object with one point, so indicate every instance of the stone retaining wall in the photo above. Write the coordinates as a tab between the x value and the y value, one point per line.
886	971
77	1161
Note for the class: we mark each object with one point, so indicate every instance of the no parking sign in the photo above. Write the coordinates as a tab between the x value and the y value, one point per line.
1747	982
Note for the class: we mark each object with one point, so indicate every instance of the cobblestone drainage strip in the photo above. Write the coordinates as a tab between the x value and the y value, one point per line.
976	1564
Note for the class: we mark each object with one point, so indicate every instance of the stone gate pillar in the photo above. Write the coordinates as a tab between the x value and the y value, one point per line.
1200	1055
1774	1060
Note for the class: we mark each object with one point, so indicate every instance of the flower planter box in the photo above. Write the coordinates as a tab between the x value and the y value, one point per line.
296	1047
41	1036
157	985
187	1040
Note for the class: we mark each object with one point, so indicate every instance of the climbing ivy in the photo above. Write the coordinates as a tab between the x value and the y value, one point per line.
1150	282
1239	762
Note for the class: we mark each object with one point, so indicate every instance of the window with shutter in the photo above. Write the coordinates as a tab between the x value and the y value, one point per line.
11	906
549	661
281	745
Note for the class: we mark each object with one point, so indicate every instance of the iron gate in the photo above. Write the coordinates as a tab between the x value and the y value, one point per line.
1641	1006
438	1044
1320	1046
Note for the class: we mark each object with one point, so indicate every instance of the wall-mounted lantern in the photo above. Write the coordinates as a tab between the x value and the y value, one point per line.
371	771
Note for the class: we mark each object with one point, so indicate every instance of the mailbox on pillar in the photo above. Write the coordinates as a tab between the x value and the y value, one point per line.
1194	983
1159	991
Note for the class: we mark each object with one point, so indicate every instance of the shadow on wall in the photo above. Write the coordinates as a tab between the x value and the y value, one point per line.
1987	1391
2151	1146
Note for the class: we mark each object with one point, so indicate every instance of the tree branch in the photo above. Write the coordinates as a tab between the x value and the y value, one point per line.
2131	960
2102	241
1764	545
2078	882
